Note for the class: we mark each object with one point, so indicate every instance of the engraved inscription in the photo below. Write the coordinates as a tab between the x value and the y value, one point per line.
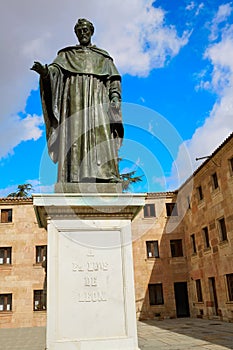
96	296
93	274
97	266
90	281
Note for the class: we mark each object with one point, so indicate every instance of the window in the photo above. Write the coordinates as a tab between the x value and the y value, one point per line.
206	237
41	253
199	291
5	302
156	294
171	209
39	304
193	242
149	210
222	229
230	286
231	165
215	181
6	215
152	249
188	202
5	255
176	247
200	193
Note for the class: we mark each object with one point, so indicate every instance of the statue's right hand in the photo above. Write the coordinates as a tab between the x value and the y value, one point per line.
40	69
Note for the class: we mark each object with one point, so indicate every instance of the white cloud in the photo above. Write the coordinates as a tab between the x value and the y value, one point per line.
219	123
15	130
193	6
134	33
199	8
190	6
223	13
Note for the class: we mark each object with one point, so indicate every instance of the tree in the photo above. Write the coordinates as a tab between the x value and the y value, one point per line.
129	179
22	191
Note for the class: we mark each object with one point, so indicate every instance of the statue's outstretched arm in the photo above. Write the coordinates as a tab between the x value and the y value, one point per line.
40	69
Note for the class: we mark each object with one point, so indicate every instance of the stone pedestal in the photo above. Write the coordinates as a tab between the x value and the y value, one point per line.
90	296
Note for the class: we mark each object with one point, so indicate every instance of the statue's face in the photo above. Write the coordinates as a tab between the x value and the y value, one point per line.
84	34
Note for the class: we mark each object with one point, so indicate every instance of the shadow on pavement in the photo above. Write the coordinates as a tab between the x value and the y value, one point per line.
212	331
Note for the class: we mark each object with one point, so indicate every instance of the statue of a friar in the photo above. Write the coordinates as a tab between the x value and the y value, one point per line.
81	101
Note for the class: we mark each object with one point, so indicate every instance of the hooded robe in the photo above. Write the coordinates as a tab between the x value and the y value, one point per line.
83	131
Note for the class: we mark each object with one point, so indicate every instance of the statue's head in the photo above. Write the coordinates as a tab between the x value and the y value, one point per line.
84	30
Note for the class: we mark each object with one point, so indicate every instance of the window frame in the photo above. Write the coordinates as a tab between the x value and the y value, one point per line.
200	193
155	291
178	248
6	212
214	179
206	236
199	291
222	229
38	300
154	250
7	300
231	165
42	254
193	243
7	254
229	286
171	209
149	210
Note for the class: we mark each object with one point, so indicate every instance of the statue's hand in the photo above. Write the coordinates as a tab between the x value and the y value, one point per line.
115	102
40	69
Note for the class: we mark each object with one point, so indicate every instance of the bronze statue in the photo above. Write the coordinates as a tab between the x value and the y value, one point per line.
81	101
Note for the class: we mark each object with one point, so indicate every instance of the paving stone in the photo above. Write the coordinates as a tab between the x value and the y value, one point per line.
176	334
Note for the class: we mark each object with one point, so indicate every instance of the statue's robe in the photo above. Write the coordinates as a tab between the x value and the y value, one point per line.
83	131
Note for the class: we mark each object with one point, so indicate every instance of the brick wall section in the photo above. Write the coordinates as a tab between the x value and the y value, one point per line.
23	275
217	260
165	269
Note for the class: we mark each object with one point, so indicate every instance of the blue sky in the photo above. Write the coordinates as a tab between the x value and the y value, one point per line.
176	62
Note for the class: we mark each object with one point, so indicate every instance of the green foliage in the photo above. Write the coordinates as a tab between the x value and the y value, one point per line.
22	191
129	179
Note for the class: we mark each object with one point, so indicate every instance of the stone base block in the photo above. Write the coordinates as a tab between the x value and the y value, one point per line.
90	297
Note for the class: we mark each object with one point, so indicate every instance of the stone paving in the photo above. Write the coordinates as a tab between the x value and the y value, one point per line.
185	334
177	334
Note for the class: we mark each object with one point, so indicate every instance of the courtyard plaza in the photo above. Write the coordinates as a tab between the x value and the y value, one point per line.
170	334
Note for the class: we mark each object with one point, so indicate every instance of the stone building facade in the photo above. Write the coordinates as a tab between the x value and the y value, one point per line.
160	259
208	227
182	247
183	259
22	250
